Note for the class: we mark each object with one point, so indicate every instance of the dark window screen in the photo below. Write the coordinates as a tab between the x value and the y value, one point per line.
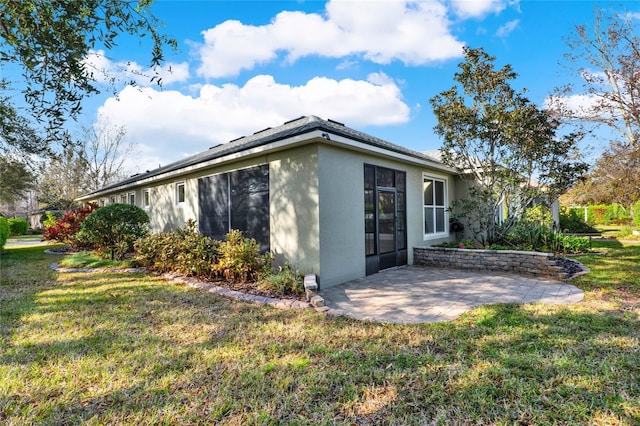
213	198
236	200
250	203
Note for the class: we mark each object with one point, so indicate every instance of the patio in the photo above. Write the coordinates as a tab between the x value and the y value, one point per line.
412	294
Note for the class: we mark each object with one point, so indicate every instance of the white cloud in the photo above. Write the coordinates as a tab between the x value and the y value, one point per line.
580	106
169	125
507	28
479	8
414	32
105	70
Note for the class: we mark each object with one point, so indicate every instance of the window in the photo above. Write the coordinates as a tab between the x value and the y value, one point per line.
180	192
236	200
132	198
112	199
123	199
435	207
146	198
102	202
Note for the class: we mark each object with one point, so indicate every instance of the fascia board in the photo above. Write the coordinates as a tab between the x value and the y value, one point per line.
367	148
317	136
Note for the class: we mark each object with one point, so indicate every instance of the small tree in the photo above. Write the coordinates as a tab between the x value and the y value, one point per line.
115	228
501	142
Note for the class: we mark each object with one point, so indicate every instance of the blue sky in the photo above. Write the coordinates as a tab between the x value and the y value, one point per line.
242	66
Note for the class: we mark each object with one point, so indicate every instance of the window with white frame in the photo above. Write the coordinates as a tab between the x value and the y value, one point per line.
123	199
146	198
435	207
132	198
180	194
112	199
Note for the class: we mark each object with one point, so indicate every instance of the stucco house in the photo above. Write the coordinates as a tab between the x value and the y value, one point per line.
328	199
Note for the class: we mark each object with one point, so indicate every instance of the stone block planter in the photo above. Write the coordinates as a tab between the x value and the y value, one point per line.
518	262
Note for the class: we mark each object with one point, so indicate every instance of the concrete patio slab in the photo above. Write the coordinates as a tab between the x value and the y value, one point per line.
413	294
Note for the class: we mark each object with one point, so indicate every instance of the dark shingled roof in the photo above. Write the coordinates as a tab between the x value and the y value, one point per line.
289	129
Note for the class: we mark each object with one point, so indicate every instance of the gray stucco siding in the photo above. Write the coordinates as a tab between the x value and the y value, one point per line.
294	207
341	201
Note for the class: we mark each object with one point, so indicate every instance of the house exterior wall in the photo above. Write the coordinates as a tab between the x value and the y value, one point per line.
294	207
316	205
341	210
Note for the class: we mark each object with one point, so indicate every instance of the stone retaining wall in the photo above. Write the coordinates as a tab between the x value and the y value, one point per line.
519	262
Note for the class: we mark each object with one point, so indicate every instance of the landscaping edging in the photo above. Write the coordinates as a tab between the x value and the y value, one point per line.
234	294
519	262
201	285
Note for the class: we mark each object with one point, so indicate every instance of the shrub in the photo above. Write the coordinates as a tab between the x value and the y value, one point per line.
240	258
66	228
574	244
538	214
49	219
285	280
572	221
185	251
115	228
18	226
4	231
604	214
635	209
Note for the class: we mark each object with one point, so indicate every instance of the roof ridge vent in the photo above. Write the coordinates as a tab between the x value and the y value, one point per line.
236	139
335	122
263	130
295	119
215	146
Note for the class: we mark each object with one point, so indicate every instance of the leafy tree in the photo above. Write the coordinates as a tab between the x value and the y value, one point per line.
614	179
501	142
63	177
49	40
115	228
605	60
105	148
85	165
15	179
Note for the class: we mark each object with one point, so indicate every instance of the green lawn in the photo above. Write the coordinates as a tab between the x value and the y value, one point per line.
111	348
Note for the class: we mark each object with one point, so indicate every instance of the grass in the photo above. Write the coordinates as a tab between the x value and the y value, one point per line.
619	231
87	259
113	348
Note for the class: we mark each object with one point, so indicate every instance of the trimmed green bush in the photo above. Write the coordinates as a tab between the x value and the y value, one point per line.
18	226
115	228
184	251
607	214
4	231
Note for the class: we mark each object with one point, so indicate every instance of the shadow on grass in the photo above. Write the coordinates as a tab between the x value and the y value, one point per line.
118	348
